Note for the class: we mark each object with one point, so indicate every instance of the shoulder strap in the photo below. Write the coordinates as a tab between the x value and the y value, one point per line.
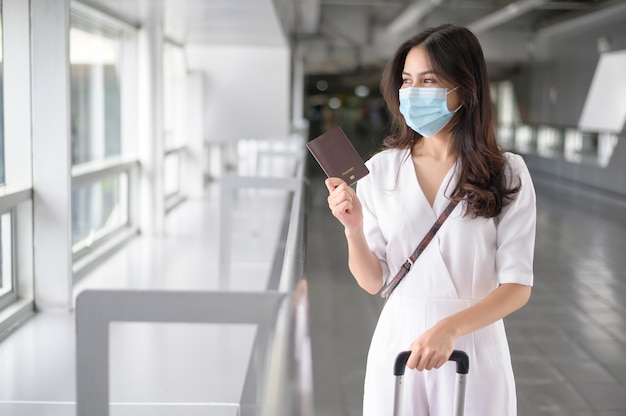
420	248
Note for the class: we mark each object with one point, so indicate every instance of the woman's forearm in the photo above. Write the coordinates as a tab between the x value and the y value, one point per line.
501	302
363	263
433	347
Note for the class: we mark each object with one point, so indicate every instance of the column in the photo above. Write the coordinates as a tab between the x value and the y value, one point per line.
50	23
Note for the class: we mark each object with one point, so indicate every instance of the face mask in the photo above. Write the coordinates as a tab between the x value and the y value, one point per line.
425	110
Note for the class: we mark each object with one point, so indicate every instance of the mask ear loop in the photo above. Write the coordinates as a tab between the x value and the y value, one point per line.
460	105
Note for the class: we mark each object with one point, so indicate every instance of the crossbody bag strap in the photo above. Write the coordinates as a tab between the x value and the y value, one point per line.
420	248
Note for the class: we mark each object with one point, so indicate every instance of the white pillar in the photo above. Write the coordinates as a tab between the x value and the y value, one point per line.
297	88
193	167
151	138
50	23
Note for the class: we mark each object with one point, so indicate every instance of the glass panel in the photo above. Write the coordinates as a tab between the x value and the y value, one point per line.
6	258
506	105
605	105
171	167
606	145
573	145
2	178
174	91
524	139
506	136
589	148
549	142
99	208
95	90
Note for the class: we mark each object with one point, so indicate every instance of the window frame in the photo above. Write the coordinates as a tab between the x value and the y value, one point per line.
17	204
88	254
11	295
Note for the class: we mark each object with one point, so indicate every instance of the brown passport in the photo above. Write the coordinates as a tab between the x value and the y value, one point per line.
337	156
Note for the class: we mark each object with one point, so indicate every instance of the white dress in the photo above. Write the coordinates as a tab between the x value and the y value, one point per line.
467	259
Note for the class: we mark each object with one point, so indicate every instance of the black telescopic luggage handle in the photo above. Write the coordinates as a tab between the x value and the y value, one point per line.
462	369
461	358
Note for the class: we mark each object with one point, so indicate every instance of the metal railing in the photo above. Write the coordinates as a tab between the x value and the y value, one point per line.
279	376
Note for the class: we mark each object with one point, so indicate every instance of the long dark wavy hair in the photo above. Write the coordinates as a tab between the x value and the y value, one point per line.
457	58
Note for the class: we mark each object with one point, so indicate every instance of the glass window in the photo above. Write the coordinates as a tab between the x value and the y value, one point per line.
606	145
172	174
573	145
95	90
506	105
605	105
549	142
2	177
507	113
98	209
16	215
174	91
524	139
6	258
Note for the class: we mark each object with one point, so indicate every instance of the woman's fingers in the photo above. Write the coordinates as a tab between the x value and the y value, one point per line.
343	203
344	207
332	183
425	361
424	357
340	197
433	348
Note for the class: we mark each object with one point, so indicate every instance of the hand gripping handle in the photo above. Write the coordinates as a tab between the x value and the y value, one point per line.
460	357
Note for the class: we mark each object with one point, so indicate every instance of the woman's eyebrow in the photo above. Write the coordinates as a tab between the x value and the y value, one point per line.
427	72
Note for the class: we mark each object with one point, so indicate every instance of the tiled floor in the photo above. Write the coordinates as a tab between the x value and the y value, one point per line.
568	344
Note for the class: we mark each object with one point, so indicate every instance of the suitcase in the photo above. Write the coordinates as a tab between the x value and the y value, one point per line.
462	368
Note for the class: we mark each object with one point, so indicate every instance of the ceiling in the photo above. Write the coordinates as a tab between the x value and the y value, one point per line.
353	33
356	37
221	22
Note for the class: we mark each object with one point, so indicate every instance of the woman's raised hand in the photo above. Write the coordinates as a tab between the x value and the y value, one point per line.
346	207
344	204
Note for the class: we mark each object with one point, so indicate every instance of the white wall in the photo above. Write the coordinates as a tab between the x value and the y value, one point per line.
247	90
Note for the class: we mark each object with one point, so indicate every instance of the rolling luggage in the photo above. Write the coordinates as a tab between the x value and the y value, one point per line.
462	368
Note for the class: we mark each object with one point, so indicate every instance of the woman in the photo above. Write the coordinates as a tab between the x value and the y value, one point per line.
478	268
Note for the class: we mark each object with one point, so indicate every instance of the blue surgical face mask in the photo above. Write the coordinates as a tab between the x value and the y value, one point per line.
425	110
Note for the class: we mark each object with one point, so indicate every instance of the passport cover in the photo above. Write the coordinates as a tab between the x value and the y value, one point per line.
337	156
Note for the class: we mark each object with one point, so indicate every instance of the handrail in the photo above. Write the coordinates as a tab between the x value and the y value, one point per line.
229	184
279	377
294	242
288	384
96	309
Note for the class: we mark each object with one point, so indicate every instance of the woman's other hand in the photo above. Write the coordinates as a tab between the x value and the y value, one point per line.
433	348
344	204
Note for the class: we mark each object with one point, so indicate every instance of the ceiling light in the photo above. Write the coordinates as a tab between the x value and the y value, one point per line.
504	15
362	91
412	15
